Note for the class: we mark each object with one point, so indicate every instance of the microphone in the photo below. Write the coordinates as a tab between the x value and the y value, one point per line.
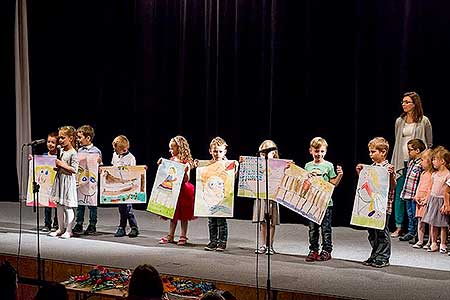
267	150
36	142
58	152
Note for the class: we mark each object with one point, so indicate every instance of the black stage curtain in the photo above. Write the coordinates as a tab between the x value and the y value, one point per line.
245	70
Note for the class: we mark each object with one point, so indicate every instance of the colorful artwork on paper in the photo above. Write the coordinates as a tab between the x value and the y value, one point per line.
123	184
45	176
87	178
214	192
304	193
369	207
252	176
166	188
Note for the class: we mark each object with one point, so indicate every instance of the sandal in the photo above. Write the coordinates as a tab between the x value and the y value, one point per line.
182	241
167	239
418	245
443	250
433	249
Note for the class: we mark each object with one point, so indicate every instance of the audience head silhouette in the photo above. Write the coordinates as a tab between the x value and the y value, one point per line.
145	284
212	295
52	291
8	281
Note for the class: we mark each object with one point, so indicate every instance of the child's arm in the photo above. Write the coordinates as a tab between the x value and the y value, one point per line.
359	168
393	181
338	178
446	207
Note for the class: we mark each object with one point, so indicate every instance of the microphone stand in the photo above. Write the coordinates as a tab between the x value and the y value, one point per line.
267	220
36	187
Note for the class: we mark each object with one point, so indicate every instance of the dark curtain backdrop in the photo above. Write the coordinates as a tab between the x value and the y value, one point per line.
245	70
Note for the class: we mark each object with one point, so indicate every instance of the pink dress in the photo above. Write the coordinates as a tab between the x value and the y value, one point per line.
432	214
423	192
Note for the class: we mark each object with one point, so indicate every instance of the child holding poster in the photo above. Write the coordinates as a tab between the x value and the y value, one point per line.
181	152
380	240
320	167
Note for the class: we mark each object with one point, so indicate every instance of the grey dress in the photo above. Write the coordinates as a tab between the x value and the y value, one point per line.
64	190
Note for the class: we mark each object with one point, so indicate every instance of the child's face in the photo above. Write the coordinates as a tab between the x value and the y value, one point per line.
412	153
376	155
426	162
218	152
318	153
82	139
52	141
120	150
64	139
437	162
173	148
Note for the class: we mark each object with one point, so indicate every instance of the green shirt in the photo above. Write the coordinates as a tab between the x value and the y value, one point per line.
324	169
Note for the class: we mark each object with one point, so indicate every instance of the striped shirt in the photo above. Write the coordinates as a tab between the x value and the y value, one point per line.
412	177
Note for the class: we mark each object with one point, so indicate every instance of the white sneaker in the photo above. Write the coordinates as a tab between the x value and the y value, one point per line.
66	235
55	233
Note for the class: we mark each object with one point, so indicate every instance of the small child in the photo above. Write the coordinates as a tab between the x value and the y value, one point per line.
380	240
64	190
217	226
180	151
421	197
413	171
260	207
434	214
123	157
320	167
52	142
85	135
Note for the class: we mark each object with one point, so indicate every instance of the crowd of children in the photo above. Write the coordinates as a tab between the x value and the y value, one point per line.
425	191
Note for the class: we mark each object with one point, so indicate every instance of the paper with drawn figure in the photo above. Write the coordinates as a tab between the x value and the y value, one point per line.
304	193
371	197
123	184
87	178
214	192
252	176
166	188
45	176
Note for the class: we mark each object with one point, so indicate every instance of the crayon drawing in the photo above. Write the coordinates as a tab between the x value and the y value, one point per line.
87	178
45	176
122	184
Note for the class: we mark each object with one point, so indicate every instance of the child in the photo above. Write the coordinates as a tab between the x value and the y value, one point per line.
434	214
85	135
320	167
260	207
123	157
52	142
217	226
64	190
380	240
421	197
413	171
180	151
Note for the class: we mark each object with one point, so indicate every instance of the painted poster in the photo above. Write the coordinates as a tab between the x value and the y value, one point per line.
45	176
166	188
214	192
123	184
252	170
304	193
369	207
87	178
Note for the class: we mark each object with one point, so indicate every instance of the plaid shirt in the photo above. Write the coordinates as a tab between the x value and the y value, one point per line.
411	179
391	192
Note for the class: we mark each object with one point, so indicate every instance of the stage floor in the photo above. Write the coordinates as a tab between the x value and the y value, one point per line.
413	274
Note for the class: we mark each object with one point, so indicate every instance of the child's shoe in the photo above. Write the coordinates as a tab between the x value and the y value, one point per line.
270	251
221	247
120	232
182	241
78	229
211	246
134	232
66	235
418	245
46	228
261	250
380	264
90	230
324	255
368	262
55	233
312	256
167	239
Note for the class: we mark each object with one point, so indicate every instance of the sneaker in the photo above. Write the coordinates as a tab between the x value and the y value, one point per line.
380	264
261	250
46	228
211	246
368	261
55	227
134	232
77	229
221	247
120	232
406	237
324	255
90	230
414	240
66	235
312	256
270	251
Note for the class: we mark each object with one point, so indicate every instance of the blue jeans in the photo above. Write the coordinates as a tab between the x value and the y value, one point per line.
326	233
48	217
126	214
411	211
92	214
380	241
218	230
399	204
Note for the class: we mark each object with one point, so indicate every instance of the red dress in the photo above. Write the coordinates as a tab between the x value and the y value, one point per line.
185	204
